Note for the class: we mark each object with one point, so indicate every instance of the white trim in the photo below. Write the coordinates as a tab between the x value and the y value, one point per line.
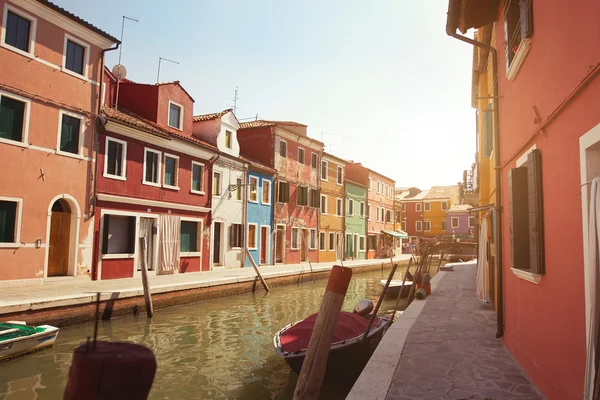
86	58
150	203
73	240
339	212
180	127
370	184
82	126
103	94
310	233
303	155
457	222
362	209
200	234
403	226
316	156
527	276
164	185
378	209
158	167
267	245
262	191
418	207
442	205
425	204
518	59
256	186
469	225
220	183
323	203
19	215
292	238
417	223
286	148
32	32
364	250
26	115
331	246
425	223
202	170
326	179
339	175
123	159
324	241
350	201
523	159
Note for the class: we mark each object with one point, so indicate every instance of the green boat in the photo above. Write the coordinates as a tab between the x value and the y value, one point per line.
17	338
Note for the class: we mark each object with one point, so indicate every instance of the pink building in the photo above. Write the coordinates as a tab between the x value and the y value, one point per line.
50	73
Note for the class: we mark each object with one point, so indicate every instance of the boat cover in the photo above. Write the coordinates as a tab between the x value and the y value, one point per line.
349	326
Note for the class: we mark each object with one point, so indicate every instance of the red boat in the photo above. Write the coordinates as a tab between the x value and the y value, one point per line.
346	356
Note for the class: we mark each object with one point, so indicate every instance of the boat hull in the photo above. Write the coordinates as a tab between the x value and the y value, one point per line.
19	346
397	286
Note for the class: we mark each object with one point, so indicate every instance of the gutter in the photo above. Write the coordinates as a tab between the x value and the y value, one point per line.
451	31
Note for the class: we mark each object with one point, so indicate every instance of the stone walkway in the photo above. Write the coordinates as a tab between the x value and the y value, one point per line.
451	351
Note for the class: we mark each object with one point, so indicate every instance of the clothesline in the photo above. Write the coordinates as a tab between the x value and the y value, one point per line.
588	182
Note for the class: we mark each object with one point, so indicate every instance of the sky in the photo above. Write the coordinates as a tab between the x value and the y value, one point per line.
378	82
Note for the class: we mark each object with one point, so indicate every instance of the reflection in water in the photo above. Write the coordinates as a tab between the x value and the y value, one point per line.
218	349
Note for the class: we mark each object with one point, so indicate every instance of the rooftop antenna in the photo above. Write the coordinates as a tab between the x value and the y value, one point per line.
235	97
159	60
119	64
324	133
344	145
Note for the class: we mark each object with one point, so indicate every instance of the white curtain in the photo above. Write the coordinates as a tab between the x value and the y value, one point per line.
482	264
170	228
594	296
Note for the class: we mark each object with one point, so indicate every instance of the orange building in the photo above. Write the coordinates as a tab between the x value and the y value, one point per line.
331	216
436	204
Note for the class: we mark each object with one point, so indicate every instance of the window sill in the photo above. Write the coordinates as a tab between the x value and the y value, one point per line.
515	65
251	201
252	248
190	254
235	248
117	256
13	142
294	248
197	192
117	177
74	74
71	155
265	204
18	51
151	184
10	245
527	276
170	187
175	127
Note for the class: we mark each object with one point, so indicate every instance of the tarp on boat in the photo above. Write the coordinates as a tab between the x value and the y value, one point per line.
349	326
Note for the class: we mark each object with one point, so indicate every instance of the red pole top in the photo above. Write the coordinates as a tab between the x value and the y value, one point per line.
339	280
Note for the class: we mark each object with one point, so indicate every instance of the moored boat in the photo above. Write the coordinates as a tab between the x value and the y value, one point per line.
17	338
396	286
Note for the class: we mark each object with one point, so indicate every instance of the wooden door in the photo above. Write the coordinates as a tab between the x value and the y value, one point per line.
217	243
280	243
58	253
264	237
303	245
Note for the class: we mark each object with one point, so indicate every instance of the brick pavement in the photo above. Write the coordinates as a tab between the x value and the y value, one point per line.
451	351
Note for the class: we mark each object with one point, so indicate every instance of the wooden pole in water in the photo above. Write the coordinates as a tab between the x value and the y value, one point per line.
401	290
147	295
314	366
374	315
257	271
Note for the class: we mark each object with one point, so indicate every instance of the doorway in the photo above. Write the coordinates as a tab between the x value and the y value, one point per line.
60	238
217	240
349	243
279	243
264	247
303	245
147	232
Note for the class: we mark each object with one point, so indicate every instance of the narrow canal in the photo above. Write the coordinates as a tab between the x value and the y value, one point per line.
218	349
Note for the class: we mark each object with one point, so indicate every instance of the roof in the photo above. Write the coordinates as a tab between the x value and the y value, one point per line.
175	83
356	183
262	123
335	158
460	208
419	196
77	19
208	117
442	192
371	170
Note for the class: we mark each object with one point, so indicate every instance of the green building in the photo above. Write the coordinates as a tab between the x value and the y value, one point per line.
356	224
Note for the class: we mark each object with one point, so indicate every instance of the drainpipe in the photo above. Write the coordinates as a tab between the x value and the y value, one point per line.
98	124
246	186
451	31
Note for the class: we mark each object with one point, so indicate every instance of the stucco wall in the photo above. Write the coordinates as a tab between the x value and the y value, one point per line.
354	224
261	214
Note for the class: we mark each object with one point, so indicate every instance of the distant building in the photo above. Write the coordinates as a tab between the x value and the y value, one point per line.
460	222
331	216
436	204
259	227
355	246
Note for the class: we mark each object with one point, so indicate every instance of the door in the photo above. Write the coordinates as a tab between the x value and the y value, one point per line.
355	247
217	233
60	235
147	232
280	244
349	251
264	238
303	245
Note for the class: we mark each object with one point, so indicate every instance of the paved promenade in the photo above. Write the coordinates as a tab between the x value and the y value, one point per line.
445	348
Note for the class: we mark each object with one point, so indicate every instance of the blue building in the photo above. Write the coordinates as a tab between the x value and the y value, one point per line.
259	225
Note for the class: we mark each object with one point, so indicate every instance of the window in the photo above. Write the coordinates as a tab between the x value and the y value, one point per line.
171	178
427	206
228	139
488	131
14	116
398	216
362	209
295	238
518	27
70	135
188	242
403	207
526	216
404	226
315	198
302	195
235	236
301	155
10	221
427	226
252	232
322	244
282	148
418	207
323	204
266	191
324	167
378	187
388	216
216	187
331	241
197	177
118	234
382	214
283	192
19	31
386	190
372	242
75	56
253	189
313	160
368	212
444	226
378	214
338	207
340	175
175	116
418	226
454	222
151	167
444	205
471	222
115	158
350	207
362	243
239	186
370	185
313	239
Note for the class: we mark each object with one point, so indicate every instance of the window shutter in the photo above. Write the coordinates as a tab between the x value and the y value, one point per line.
536	212
519	223
132	237
488	143
105	228
526	10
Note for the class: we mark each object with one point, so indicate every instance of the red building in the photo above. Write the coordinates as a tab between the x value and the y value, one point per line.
153	183
286	147
411	200
546	61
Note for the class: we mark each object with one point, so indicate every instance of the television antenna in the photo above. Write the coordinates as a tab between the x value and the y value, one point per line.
119	67
159	60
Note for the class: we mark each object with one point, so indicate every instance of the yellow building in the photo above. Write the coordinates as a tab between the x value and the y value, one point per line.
436	204
331	216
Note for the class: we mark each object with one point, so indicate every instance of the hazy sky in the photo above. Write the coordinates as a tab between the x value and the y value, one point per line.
379	82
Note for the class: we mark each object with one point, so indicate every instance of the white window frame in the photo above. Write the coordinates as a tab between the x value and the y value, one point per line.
368	211
370	185
165	155
316	157
323	196
339	207
378	187
331	246
297	230
25	142
105	173
286	148
301	149
418	207
220	183
350	201
310	233
262	190
426	206
444	205
418	226
86	57
471	225
199	233
403	207
158	167
230	138
82	126
444	222
364	242
403	226
326	179
425	223
19	218
32	32
180	128
202	182
378	214
256	228
257	186
452	219
362	209
322	234
339	177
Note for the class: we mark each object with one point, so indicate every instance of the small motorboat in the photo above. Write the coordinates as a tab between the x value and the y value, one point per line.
396	286
347	357
17	338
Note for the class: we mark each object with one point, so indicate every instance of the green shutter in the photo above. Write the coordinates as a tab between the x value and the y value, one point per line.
69	134
518	218
488	129
536	212
8	219
12	114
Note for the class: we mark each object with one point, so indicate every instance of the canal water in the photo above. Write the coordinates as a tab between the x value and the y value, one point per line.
217	349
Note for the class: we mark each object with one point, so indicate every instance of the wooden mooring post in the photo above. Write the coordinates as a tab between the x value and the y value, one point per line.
257	271
314	366
147	295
